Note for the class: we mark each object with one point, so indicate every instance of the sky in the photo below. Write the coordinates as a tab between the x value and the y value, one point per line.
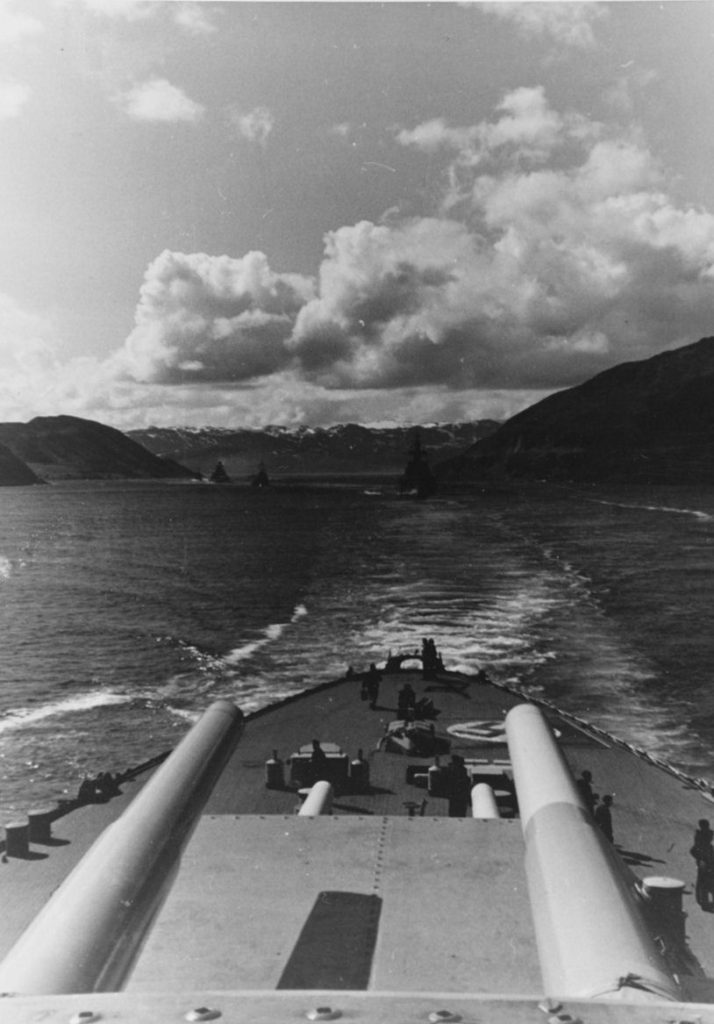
237	214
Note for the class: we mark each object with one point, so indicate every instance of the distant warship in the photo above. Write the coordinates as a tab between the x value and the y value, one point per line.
261	477
219	475
417	478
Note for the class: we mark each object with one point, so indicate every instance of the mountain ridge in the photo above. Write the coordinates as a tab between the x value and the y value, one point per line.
650	421
70	448
341	449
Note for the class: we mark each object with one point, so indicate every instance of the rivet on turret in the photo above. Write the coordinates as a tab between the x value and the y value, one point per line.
202	1013
323	1013
444	1017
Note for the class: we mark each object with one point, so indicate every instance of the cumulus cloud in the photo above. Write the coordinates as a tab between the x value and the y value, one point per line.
567	24
557	251
159	100
254	126
213	318
526	130
13	97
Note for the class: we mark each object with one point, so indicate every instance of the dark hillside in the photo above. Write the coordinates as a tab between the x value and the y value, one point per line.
650	422
70	448
13	471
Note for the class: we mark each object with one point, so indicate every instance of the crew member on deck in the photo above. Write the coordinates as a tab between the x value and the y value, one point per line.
703	853
406	699
371	683
584	784
429	658
459	787
319	765
603	816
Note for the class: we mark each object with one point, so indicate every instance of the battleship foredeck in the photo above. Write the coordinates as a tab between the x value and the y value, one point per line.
390	892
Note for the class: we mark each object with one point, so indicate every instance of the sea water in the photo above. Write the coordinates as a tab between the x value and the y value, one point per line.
127	608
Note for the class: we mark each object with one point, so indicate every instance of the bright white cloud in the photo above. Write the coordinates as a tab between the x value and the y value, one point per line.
28	358
431	136
27	340
159	100
567	24
13	97
547	275
213	318
130	10
556	250
256	125
193	18
549	268
526	129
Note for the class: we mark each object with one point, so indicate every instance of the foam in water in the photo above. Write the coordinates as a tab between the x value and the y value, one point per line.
20	718
517	589
271	633
697	513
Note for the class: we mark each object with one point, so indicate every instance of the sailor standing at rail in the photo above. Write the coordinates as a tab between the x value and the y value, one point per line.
371	684
319	766
603	816
703	853
406	701
459	787
584	784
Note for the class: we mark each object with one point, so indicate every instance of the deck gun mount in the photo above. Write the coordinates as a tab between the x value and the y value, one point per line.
180	911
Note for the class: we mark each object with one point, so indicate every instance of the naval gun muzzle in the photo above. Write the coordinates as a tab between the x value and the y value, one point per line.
593	942
87	936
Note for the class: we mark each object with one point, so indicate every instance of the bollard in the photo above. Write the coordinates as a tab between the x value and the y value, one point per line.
274	772
665	898
17	838
40	819
359	774
435	779
483	802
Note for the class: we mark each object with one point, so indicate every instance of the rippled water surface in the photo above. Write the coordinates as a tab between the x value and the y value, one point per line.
127	608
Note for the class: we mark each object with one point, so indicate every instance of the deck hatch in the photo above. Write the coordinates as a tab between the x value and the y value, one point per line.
336	945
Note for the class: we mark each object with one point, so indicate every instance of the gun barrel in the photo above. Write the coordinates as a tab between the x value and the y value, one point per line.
318	800
87	936
592	938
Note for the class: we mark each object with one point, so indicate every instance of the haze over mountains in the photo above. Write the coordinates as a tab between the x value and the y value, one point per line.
342	449
646	422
